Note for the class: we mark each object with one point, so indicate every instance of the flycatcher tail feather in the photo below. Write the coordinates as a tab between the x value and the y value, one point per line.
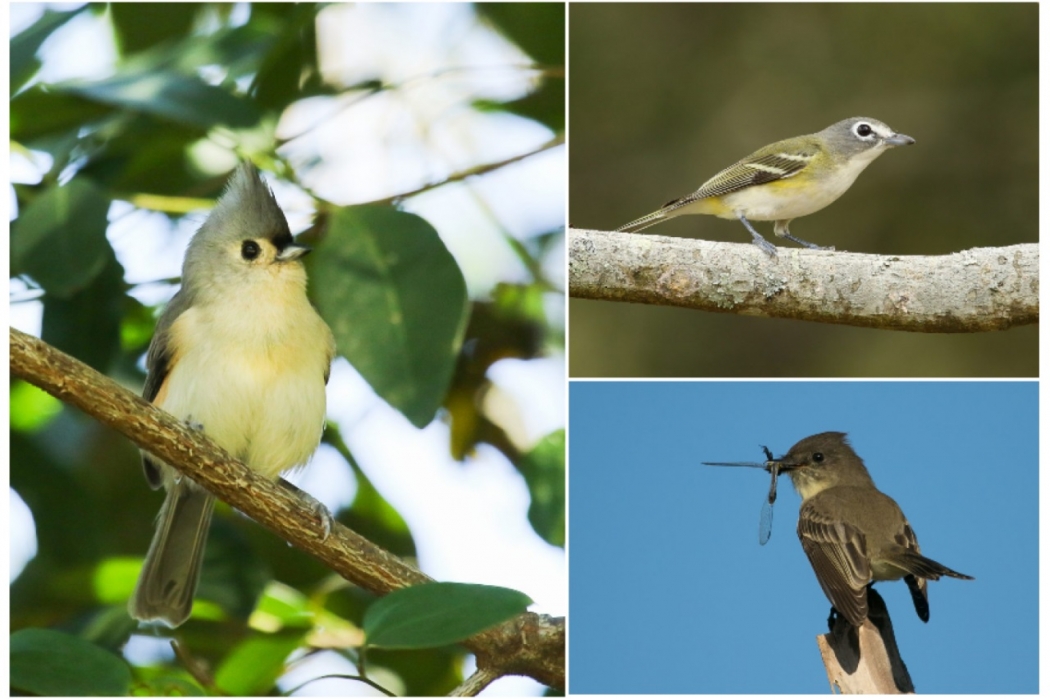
917	588
922	567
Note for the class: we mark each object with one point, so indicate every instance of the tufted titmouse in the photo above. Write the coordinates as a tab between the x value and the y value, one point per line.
241	354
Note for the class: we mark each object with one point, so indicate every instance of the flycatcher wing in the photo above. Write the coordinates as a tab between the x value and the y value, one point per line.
838	553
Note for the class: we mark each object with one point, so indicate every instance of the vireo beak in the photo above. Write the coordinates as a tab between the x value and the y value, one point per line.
900	139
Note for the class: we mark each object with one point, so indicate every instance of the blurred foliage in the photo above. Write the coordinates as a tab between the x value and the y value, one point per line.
705	84
24	63
538	30
396	302
542	467
439	614
510	326
129	137
52	663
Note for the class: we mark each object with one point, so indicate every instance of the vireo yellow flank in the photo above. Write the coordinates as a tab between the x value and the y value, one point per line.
785	180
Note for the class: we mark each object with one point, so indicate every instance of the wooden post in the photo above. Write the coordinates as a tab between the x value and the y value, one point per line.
864	660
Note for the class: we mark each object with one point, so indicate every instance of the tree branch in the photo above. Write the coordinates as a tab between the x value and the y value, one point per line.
530	644
470	172
971	291
474	684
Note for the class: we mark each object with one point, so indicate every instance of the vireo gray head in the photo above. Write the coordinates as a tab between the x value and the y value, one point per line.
861	137
852	533
785	180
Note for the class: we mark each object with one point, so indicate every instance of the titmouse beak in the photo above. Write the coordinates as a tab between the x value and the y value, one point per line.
293	252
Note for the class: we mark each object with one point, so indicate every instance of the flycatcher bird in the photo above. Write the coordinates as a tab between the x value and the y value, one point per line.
853	534
241	354
785	180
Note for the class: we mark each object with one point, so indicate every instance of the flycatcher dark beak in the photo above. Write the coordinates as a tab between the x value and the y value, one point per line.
783	465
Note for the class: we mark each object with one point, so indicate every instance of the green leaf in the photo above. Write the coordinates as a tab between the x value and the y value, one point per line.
38	112
538	28
234	574
147	156
60	238
114	579
87	324
546	105
142	25
544	471
24	63
424	672
396	301
163	682
284	606
254	666
178	98
290	69
437	614
51	663
69	525
31	408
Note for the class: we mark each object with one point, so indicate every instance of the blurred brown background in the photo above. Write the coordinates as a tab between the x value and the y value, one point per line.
663	96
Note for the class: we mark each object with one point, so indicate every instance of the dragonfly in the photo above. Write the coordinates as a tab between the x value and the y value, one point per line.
765	519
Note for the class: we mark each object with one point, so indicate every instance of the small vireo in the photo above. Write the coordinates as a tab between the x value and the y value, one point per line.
787	179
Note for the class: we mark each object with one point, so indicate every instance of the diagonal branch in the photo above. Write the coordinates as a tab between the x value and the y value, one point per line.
530	644
971	291
471	172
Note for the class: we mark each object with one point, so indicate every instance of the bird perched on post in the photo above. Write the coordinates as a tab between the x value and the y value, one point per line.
852	533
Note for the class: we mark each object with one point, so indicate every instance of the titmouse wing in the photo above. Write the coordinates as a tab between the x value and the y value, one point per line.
159	361
160	353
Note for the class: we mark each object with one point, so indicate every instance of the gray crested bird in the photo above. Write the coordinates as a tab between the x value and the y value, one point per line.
240	354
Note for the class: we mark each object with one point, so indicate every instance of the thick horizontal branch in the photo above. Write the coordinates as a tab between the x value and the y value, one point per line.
530	644
970	291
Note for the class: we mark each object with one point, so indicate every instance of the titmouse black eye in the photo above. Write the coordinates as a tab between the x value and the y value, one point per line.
818	457
250	250
864	130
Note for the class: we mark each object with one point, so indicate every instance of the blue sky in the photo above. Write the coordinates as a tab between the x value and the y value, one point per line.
670	591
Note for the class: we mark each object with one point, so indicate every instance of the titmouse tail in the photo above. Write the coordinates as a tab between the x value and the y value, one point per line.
173	565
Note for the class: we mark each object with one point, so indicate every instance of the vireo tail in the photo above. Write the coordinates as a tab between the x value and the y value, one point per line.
785	180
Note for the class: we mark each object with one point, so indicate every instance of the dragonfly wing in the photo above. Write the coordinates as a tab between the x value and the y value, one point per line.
765	523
